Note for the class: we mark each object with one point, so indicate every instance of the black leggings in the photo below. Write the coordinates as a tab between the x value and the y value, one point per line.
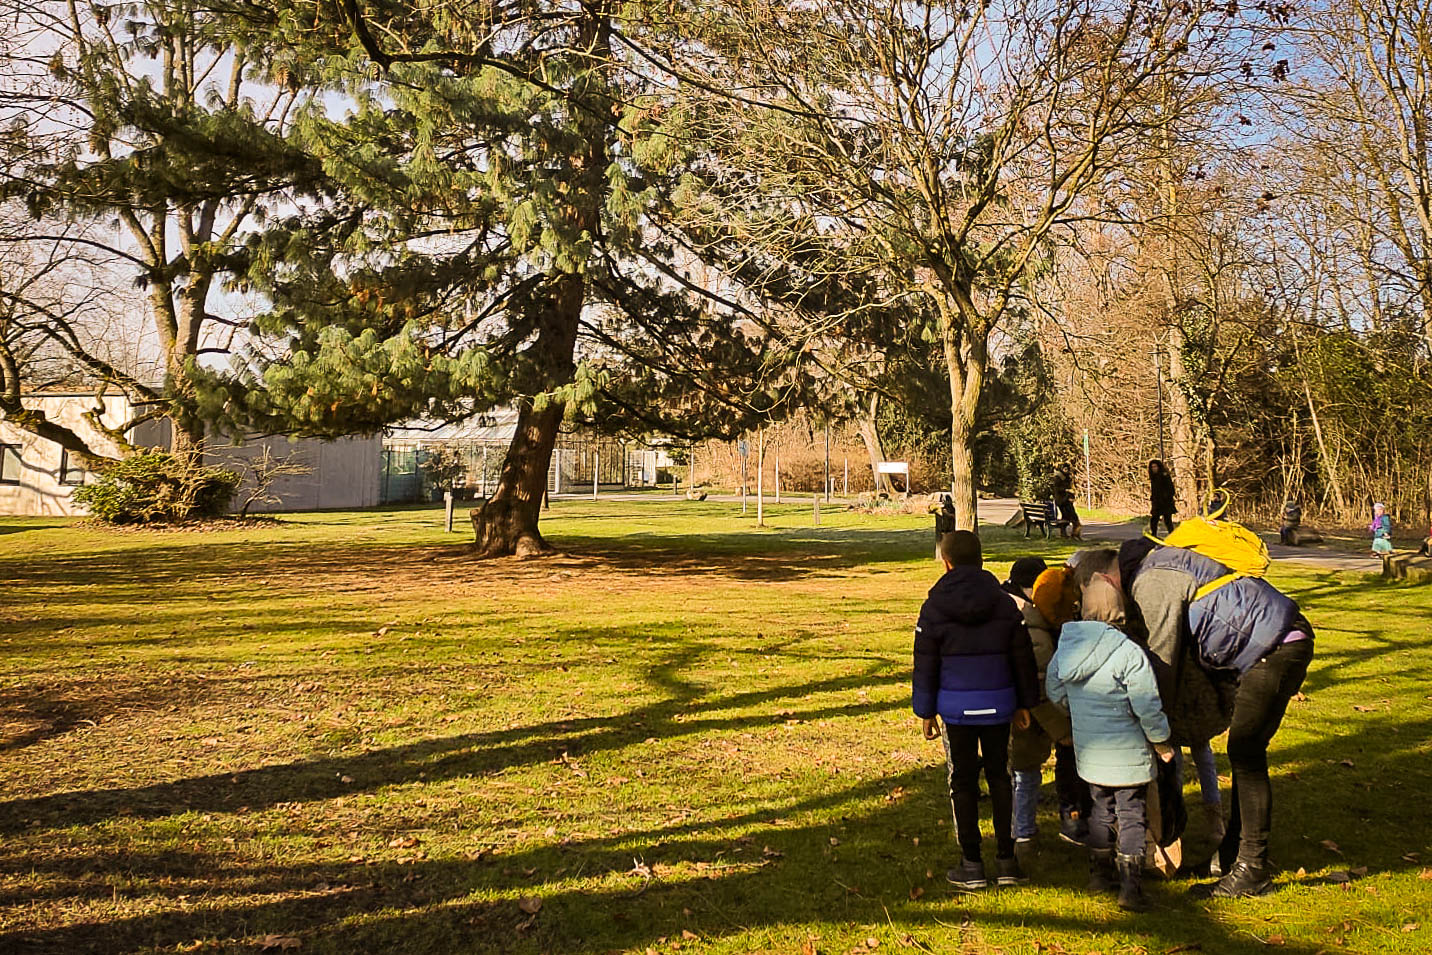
967	748
1263	695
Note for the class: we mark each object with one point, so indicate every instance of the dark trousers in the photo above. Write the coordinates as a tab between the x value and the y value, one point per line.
1258	708
1154	515
1073	792
1067	513
1124	808
967	748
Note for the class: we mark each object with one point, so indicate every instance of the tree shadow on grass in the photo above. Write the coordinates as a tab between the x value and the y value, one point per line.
676	716
775	869
829	860
203	568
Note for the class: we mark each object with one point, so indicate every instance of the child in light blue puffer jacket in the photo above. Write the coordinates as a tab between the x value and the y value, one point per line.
1108	686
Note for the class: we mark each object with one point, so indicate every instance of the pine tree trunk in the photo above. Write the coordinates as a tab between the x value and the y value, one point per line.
506	524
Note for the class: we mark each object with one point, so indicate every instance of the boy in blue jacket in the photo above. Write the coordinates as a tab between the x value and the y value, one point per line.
975	670
1112	695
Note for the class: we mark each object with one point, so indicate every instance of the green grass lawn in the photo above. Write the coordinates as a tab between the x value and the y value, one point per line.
340	733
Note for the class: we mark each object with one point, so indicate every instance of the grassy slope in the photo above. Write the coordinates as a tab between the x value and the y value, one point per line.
689	735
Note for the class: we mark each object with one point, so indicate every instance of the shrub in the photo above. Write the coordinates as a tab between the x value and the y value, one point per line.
158	487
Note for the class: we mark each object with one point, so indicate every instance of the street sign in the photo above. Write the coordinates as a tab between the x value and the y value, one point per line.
744	447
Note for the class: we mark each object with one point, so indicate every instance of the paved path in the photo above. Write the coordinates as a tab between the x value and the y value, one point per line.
999	510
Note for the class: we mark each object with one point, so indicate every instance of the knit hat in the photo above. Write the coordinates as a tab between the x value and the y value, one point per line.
1056	596
1025	571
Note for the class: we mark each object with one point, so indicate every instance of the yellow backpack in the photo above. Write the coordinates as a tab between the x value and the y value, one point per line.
1228	542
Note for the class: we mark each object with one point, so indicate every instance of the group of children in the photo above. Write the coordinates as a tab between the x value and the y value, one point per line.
1005	673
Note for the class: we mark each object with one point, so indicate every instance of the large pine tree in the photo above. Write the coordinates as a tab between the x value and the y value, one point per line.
494	237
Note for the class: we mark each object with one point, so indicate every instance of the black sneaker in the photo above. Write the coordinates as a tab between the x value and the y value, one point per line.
1243	882
1008	872
968	875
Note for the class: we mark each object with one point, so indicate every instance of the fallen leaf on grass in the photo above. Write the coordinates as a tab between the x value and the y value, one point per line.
1348	763
834	841
916	892
278	941
1190	947
770	853
872	942
1411	856
1411	927
808	948
1364	709
1339	877
402	842
1359	872
1300	697
1425	874
1275	940
531	904
1331	846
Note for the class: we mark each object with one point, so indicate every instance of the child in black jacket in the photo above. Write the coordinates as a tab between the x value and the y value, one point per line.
975	670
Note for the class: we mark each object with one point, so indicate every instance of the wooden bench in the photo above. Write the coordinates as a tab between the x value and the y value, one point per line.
1040	514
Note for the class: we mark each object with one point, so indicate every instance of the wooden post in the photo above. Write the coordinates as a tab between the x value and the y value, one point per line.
778	479
484	470
815	499
845	485
447	506
596	470
760	478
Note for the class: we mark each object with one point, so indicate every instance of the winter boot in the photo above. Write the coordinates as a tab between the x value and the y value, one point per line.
1244	881
1131	883
1102	877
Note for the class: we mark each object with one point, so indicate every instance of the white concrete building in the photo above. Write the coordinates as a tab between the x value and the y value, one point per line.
37	476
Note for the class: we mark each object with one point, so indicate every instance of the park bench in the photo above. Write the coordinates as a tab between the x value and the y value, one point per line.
1040	514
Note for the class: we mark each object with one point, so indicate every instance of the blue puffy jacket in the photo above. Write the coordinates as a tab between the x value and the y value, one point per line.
1237	624
974	664
1108	685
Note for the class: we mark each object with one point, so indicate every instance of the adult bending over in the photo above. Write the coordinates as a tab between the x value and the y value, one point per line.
1245	633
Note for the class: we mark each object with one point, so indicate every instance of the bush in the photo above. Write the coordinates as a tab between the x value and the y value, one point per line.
158	487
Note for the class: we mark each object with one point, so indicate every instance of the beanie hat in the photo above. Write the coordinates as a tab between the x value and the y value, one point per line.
1025	571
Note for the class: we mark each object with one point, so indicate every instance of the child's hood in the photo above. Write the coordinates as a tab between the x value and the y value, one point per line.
968	595
1085	646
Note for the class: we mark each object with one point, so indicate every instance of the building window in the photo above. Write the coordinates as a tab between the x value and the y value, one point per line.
9	464
70	473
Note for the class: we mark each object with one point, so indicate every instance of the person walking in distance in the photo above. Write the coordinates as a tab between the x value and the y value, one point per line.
1161	497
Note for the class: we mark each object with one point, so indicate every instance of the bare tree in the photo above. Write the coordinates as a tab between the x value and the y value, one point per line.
939	150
